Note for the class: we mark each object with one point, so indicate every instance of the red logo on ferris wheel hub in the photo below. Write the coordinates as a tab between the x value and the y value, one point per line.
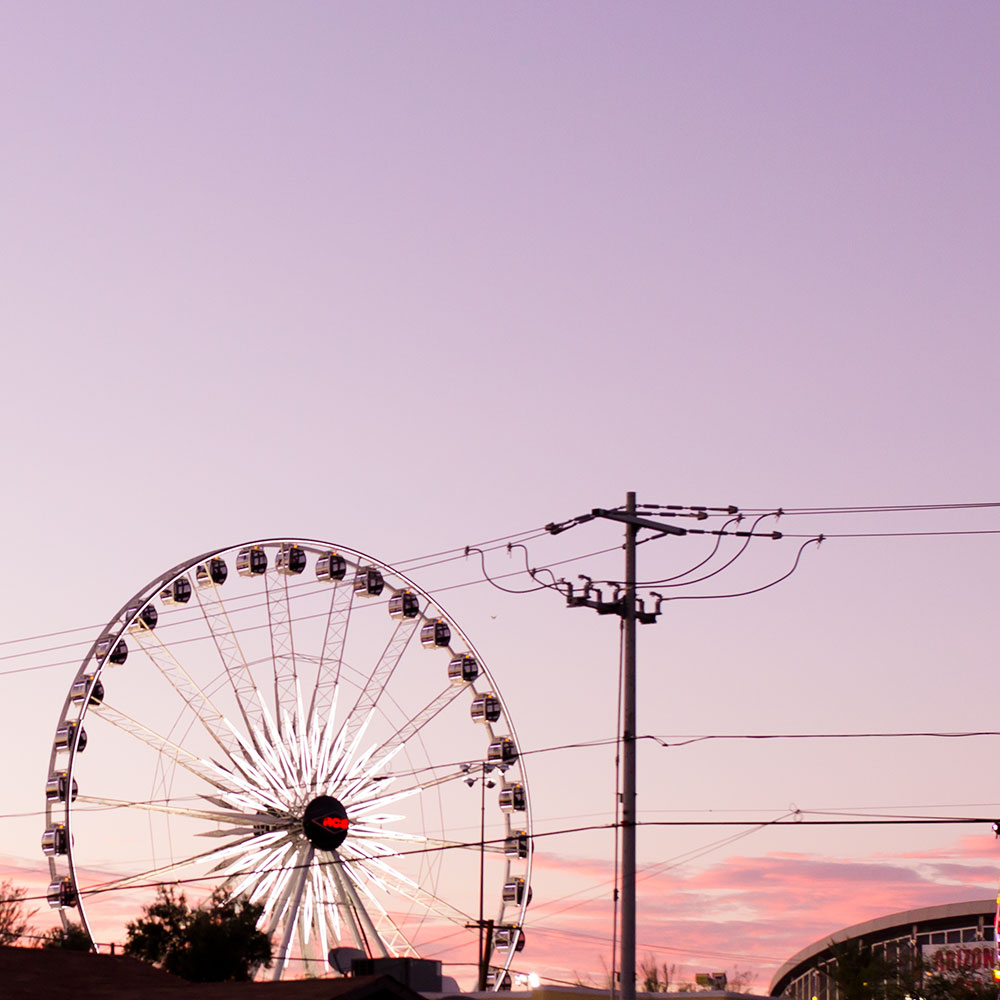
325	823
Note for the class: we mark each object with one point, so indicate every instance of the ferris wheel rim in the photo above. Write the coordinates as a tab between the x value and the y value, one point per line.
93	665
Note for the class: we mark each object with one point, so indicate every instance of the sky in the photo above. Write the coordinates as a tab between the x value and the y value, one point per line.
410	277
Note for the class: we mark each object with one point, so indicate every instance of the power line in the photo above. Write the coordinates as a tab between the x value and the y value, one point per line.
752	590
747	538
898	534
251	628
687	740
880	509
457	553
507	541
788	820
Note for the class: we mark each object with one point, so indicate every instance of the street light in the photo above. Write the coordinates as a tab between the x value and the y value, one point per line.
485	926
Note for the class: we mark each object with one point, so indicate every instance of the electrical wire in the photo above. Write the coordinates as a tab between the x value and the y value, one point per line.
798	820
459	548
881	509
459	551
753	590
900	534
300	618
648	871
665	741
666	581
507	590
697	565
687	741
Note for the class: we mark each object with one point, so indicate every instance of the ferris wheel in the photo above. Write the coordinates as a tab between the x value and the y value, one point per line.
302	725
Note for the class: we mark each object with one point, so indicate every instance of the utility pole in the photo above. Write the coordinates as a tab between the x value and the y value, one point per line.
630	610
486	927
628	761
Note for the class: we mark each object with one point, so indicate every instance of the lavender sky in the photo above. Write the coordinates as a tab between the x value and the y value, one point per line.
409	276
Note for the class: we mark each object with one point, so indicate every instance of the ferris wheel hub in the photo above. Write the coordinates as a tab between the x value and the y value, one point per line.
325	823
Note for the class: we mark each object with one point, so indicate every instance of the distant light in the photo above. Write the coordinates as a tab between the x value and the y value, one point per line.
534	981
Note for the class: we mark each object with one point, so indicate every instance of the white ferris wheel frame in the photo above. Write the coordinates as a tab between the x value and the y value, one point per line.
239	748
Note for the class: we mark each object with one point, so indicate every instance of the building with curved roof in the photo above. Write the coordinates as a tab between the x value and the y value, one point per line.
949	937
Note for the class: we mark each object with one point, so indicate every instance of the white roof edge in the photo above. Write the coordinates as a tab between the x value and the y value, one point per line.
917	916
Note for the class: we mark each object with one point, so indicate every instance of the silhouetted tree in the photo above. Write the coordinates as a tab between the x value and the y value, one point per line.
741	980
654	978
75	938
212	943
861	974
856	972
15	916
959	984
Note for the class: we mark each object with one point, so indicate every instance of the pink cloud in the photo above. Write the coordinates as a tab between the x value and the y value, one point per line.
753	912
749	912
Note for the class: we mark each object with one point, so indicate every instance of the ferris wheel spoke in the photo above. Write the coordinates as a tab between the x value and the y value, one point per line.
228	647
375	685
279	621
413	726
263	871
164	748
235	818
374	835
388	931
278	900
395	793
191	694
332	655
397	883
154	875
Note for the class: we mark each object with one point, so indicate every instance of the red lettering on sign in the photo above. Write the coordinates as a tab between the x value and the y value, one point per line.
336	822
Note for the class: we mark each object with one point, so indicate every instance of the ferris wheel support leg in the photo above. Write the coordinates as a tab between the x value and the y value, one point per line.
369	933
292	919
344	904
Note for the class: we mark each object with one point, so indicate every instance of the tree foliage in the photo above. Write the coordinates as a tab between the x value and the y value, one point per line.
73	938
860	973
15	917
212	943
653	977
960	984
741	980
